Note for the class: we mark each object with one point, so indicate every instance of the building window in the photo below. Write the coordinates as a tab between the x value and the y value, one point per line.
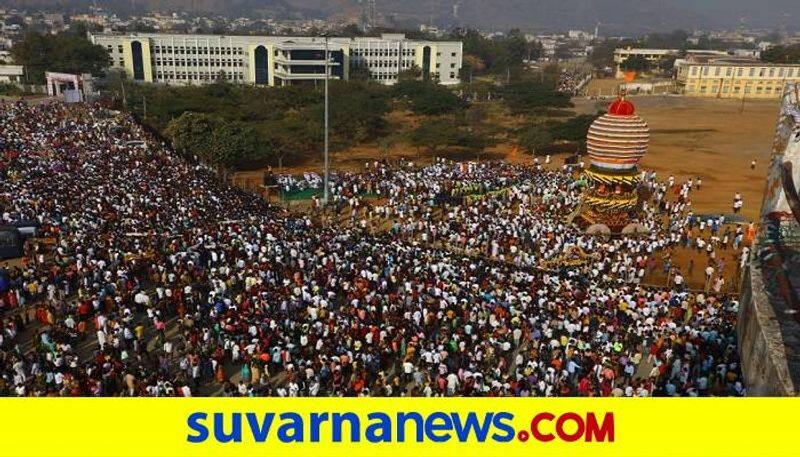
138	62
426	62
261	65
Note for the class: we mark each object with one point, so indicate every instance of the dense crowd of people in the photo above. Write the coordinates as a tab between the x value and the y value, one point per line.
572	81
149	276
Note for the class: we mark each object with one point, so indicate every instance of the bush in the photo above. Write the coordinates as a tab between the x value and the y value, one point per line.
68	52
428	98
533	99
11	90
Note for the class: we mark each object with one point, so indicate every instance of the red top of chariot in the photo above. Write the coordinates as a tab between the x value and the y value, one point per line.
622	107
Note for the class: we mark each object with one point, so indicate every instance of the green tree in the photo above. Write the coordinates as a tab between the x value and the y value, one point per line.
357	110
497	55
435	135
573	129
564	51
219	142
65	52
290	138
10	89
551	74
428	98
535	138
517	45
234	145
471	65
603	54
410	74
782	54
360	72
192	133
638	64
667	64
533	99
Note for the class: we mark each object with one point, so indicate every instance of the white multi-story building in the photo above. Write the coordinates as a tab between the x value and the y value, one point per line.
11	73
276	61
653	55
656	55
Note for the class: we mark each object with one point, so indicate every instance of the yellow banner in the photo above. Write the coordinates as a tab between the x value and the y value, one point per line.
399	427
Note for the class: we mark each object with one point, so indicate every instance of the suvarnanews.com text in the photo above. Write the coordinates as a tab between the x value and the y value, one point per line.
400	427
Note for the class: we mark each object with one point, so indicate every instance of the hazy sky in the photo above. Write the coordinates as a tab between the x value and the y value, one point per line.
615	16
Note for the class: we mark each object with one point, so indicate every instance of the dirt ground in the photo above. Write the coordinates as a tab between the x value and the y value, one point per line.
605	87
713	139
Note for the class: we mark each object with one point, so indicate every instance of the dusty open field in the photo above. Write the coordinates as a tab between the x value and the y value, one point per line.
714	139
604	87
691	137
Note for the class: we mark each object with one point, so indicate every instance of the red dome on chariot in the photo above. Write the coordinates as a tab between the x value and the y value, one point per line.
622	107
618	140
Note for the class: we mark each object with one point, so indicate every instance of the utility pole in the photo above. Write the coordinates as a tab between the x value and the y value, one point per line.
327	163
124	98
744	95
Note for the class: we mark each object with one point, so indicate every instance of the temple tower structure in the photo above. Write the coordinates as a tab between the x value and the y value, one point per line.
615	143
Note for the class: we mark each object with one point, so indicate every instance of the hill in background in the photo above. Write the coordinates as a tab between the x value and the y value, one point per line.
614	16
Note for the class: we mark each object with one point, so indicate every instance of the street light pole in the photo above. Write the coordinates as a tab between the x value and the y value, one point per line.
327	163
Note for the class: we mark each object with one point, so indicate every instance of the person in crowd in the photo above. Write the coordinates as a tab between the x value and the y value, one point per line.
151	277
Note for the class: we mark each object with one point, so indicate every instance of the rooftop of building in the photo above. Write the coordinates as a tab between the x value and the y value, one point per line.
732	61
647	50
390	37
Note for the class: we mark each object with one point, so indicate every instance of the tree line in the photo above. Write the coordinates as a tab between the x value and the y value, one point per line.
236	126
240	126
789	54
66	52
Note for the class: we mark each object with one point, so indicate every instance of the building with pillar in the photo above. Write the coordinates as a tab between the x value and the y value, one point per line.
177	59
